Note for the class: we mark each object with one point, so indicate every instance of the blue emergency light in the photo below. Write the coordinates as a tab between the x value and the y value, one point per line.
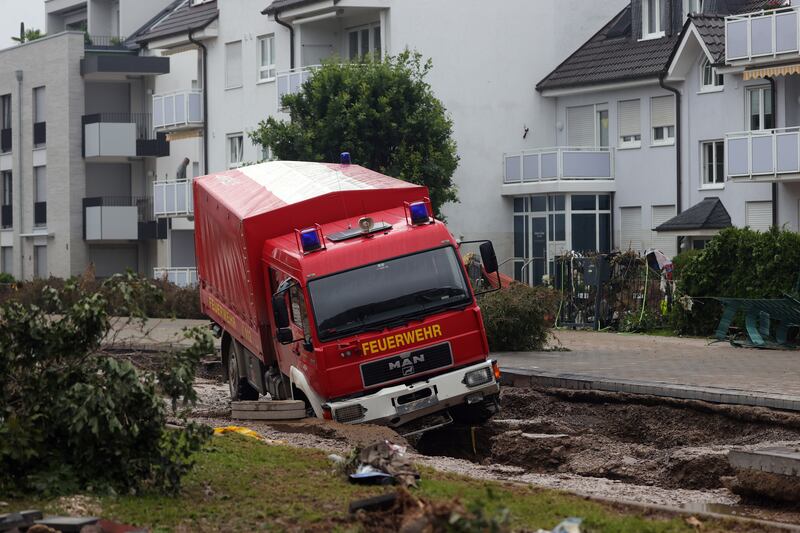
310	240
419	213
344	158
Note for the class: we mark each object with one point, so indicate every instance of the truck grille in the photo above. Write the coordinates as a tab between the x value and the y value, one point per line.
407	364
350	413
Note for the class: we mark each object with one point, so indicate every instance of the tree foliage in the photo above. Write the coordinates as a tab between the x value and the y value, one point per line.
383	112
73	417
28	35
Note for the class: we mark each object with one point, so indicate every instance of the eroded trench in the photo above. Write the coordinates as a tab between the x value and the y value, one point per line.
672	444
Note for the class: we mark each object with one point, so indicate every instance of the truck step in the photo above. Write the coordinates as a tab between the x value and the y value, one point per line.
269	405
269	415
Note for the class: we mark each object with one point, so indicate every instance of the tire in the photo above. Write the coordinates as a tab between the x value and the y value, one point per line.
239	387
477	414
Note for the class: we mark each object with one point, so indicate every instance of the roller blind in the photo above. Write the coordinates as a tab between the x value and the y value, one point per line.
631	230
664	242
580	126
758	215
662	111
630	122
233	64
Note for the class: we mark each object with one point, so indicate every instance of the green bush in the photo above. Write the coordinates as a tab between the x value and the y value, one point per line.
518	317
5	277
75	418
737	263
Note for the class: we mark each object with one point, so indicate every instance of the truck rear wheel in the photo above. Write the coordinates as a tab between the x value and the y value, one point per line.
240	389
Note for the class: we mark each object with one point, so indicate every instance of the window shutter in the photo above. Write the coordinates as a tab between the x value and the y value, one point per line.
664	242
630	122
580	126
758	215
631	230
233	64
662	111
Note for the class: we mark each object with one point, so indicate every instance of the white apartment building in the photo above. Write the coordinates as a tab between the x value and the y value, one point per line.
132	87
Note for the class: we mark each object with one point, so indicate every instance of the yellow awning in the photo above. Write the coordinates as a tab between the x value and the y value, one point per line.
771	72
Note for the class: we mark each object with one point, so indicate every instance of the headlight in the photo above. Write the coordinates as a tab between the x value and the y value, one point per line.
478	377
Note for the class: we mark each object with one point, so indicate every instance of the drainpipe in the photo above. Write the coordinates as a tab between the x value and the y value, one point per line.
774	91
204	51
18	147
678	173
291	39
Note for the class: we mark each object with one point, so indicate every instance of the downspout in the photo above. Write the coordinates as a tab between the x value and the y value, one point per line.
202	47
678	172
18	178
774	91
291	39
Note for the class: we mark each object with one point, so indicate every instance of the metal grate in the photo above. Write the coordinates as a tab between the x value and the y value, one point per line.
401	366
350	413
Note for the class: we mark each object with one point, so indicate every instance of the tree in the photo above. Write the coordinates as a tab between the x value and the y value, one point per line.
383	112
27	35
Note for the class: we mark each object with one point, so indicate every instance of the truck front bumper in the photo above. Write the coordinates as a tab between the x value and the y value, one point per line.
399	404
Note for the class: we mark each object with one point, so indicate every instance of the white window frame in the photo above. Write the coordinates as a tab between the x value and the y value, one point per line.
40	271
372	46
717	79
667	138
712	183
269	68
230	140
266	153
645	19
762	90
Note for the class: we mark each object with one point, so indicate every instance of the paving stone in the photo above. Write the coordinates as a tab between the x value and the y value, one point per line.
776	460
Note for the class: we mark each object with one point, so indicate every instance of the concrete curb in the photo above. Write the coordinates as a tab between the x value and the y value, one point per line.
520	377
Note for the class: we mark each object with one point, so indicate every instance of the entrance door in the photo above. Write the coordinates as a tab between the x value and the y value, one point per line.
538	266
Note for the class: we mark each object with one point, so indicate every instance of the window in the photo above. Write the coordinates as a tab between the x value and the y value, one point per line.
235	150
363	41
266	153
580	126
651	19
591	225
758	215
6	211
759	108
39	105
665	242
40	261
692	6
713	162
5	112
662	118
602	127
630	124
630	234
39	196
298	308
233	65
266	58
6	260
7	187
711	80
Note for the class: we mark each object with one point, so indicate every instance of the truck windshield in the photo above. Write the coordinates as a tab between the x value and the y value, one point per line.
382	294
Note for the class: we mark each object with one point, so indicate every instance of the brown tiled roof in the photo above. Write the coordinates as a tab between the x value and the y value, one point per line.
179	17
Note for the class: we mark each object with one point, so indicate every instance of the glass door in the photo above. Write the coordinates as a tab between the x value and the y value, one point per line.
538	259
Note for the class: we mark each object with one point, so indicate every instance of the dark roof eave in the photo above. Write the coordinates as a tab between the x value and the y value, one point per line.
204	25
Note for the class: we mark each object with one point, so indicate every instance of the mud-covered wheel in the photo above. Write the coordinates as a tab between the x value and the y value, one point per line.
476	414
240	389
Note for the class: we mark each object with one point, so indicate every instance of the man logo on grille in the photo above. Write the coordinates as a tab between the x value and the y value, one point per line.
407	364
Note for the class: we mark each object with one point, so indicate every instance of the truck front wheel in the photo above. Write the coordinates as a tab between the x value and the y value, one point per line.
240	389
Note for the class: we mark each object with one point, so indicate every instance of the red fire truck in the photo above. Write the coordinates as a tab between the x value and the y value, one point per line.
334	284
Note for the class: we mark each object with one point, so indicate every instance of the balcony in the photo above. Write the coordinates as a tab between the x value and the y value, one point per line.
561	169
290	81
104	43
182	277
40	214
120	218
40	133
762	36
112	137
763	156
122	66
5	140
173	198
178	111
6	216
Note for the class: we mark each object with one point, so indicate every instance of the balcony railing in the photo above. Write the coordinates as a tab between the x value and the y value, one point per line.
768	33
110	218
555	164
178	110
173	198
766	155
122	135
6	216
103	42
39	133
182	277
5	140
40	213
290	81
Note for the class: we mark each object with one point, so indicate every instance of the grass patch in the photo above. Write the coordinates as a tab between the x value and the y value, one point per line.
241	484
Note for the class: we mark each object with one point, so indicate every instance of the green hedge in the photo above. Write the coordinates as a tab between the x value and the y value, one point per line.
737	263
518	317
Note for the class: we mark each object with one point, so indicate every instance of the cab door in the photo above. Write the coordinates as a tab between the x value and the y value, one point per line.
299	352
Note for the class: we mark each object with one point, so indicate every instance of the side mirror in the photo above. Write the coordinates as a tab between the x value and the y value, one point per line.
280	310
285	336
488	257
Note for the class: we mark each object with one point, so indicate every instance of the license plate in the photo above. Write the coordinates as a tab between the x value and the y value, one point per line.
417	405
